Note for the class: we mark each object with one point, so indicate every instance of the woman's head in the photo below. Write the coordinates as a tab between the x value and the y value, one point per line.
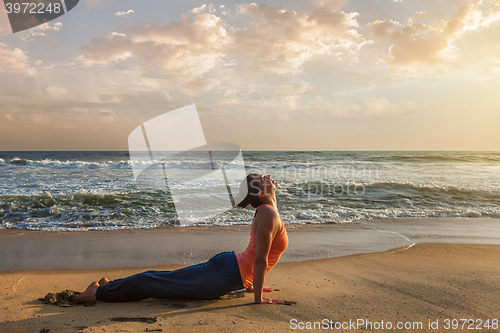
254	190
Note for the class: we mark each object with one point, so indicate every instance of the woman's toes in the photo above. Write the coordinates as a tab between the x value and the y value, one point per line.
88	295
103	281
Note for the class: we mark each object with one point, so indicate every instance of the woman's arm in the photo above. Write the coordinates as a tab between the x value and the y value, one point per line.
265	230
266	290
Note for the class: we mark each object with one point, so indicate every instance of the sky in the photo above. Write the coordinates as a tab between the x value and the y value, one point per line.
274	75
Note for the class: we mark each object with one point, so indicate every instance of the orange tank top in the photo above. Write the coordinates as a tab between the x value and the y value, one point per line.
246	258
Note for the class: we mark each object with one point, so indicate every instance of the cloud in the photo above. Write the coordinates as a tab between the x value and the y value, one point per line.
204	8
111	47
198	10
40	119
86	104
373	107
479	51
280	41
125	14
254	63
107	115
277	41
76	97
332	4
415	43
14	61
41	30
54	91
183	51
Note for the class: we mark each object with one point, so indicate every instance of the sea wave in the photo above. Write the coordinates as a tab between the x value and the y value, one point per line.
392	192
122	164
57	164
299	203
431	157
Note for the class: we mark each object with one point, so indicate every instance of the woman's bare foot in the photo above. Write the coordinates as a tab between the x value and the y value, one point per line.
103	281
88	295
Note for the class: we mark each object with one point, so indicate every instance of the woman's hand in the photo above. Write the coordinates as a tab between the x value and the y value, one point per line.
266	300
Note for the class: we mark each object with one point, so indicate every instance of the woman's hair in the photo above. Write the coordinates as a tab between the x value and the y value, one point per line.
248	193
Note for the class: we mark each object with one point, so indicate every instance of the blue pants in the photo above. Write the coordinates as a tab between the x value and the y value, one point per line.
212	279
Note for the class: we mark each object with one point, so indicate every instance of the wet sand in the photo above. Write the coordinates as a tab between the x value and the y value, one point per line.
30	250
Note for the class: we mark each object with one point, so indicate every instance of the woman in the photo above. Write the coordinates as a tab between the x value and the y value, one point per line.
224	272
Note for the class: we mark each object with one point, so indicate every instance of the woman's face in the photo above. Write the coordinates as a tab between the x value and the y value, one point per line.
267	185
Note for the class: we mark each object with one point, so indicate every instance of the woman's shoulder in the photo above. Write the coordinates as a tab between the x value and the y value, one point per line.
267	215
268	218
268	210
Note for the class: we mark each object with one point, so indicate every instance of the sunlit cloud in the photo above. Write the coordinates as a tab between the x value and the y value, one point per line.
281	41
371	107
41	30
434	45
107	115
277	41
183	51
210	8
332	4
128	13
111	47
15	61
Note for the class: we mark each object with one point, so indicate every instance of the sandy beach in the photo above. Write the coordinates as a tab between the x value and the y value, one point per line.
422	286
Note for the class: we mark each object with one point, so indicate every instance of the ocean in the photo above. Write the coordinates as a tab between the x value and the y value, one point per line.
79	191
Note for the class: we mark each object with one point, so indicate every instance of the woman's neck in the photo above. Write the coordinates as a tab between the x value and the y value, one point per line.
270	201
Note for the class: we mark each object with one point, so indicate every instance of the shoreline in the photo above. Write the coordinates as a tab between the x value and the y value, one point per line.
425	283
25	250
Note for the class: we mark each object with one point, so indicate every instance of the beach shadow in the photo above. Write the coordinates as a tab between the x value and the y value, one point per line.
75	318
231	306
194	303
